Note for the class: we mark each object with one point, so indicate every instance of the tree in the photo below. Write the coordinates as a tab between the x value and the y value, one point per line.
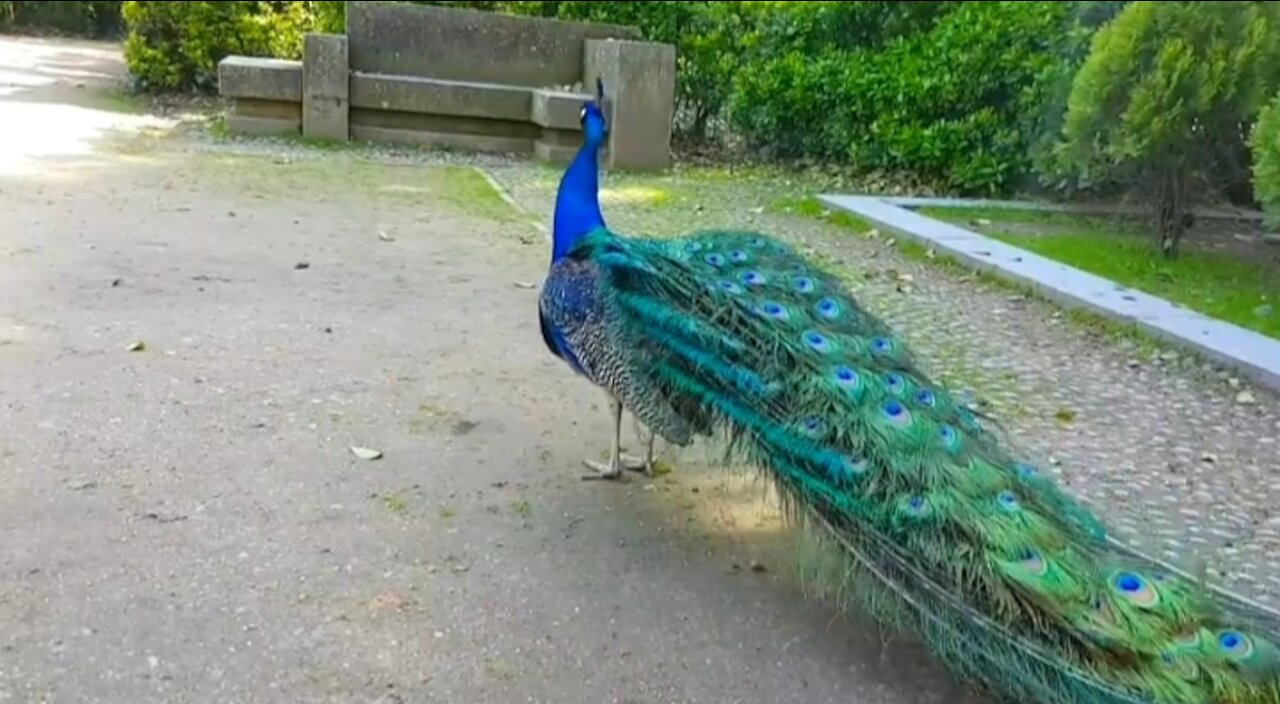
1265	143
1163	104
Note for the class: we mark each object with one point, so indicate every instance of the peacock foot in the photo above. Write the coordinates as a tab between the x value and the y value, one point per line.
613	470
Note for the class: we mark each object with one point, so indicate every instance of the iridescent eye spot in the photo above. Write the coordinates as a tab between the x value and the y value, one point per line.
828	308
917	506
925	398
854	467
1024	470
1190	639
949	437
695	247
1008	501
1034	563
804	284
817	341
882	345
812	427
897	413
737	256
755	242
846	377
729	286
894	383
1235	644
1136	589
774	310
715	259
753	278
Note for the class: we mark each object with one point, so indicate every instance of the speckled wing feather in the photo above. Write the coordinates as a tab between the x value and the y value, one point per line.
583	326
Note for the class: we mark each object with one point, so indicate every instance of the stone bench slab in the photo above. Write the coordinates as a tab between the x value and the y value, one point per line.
558	109
440	97
257	78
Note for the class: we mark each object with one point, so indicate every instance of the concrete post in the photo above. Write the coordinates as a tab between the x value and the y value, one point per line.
326	87
639	86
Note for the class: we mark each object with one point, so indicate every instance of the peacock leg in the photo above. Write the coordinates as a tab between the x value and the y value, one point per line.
643	466
613	469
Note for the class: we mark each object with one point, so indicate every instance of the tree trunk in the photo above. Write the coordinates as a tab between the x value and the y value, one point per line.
1173	216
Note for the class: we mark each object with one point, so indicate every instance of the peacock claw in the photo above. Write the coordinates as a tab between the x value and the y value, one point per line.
602	470
618	461
605	470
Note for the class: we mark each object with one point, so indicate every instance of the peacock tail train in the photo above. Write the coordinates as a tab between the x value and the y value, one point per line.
1007	579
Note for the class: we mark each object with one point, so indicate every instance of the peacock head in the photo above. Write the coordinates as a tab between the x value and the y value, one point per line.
594	127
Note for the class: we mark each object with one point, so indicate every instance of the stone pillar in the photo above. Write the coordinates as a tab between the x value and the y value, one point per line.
640	90
326	87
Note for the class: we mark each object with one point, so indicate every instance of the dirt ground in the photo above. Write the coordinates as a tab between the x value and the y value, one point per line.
191	343
195	331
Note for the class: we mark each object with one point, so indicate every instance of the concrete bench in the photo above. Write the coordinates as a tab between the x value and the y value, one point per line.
462	79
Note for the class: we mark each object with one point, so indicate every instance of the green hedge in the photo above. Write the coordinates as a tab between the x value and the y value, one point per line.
177	45
1264	142
959	101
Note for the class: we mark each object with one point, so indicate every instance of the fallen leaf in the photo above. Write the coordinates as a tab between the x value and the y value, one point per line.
524	284
366	453
138	346
385	237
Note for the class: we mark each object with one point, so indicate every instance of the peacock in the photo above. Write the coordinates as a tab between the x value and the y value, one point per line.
938	527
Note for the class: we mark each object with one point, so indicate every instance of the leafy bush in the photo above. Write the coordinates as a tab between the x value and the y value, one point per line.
1162	105
177	45
951	102
1265	143
97	19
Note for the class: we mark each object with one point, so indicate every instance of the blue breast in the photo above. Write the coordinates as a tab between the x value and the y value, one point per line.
568	300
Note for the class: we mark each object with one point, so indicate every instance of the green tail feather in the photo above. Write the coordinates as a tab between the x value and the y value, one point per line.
1010	581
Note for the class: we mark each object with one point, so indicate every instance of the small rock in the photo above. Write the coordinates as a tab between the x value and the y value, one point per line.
302	265
1233	382
138	346
1209	458
1246	398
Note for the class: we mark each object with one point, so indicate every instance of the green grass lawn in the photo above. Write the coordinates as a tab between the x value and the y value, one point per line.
1216	285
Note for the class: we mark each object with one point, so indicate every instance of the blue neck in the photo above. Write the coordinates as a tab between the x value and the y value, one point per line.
577	202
